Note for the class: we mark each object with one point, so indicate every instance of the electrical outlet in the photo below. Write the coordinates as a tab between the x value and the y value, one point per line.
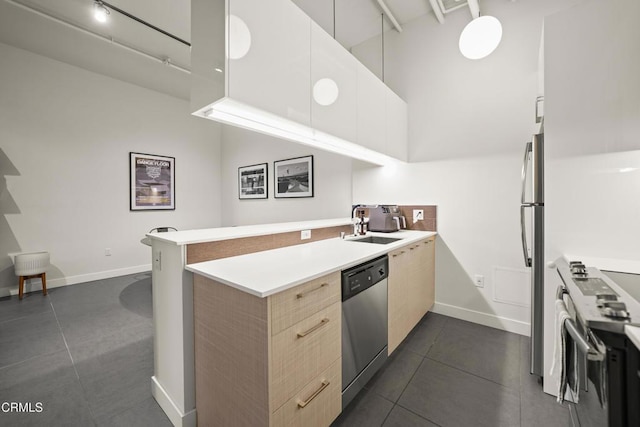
418	215
305	234
107	251
478	280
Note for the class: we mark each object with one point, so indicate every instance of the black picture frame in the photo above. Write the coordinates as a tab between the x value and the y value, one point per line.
293	178
253	181
152	182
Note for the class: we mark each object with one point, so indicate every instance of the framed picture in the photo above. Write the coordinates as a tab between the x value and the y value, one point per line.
294	177
152	182
252	182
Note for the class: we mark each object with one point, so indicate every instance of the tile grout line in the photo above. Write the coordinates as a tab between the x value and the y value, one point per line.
412	376
73	363
474	375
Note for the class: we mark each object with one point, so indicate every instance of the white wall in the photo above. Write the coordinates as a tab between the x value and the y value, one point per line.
65	138
468	122
477	225
459	108
332	177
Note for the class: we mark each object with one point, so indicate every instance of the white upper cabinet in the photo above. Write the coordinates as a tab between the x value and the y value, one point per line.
265	65
396	126
371	110
269	57
333	86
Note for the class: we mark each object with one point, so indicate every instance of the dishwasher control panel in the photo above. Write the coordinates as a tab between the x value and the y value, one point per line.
363	276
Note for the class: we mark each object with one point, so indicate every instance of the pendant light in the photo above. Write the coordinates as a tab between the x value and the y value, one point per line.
480	37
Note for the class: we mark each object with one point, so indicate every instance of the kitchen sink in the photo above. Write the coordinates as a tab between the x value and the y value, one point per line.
376	239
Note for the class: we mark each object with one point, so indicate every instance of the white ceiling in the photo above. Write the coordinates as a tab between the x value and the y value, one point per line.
355	22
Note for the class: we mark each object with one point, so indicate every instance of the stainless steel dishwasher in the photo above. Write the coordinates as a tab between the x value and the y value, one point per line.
364	324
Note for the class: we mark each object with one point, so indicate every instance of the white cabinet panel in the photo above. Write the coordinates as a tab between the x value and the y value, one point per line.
333	75
371	110
396	126
269	67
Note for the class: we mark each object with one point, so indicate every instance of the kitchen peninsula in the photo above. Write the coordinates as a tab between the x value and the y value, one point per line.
242	271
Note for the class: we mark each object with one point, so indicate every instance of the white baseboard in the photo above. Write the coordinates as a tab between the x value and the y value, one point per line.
175	415
72	280
491	320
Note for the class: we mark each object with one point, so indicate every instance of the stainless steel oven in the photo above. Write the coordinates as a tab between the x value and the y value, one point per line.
598	354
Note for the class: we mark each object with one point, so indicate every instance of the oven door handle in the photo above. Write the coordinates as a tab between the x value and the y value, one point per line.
582	344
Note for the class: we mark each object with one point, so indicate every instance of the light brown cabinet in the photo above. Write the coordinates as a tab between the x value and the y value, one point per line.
411	288
271	361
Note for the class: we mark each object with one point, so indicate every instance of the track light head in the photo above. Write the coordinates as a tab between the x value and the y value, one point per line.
100	11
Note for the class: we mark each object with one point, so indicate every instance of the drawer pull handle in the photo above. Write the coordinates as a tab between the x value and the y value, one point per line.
304	403
318	326
303	294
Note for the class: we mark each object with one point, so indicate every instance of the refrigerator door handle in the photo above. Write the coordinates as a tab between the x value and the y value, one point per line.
523	229
525	168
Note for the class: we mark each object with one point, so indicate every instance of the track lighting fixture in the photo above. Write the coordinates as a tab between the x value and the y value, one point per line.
100	11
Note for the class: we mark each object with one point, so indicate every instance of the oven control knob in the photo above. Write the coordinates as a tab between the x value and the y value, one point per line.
602	297
615	309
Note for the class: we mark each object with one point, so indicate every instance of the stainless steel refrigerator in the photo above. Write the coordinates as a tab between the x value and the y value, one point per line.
532	227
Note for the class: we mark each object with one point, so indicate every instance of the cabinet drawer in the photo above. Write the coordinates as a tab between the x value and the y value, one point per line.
315	405
303	351
293	305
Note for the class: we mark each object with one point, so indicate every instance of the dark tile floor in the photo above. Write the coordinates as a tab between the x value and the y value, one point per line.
86	353
449	372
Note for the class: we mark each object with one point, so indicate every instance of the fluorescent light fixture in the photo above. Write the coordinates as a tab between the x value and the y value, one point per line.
235	113
480	37
100	12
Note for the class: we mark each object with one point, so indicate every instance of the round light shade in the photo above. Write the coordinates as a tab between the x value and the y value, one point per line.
325	91
480	37
239	38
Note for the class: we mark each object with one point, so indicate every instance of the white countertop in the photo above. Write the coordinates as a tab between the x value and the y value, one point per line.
607	264
269	272
633	332
224	233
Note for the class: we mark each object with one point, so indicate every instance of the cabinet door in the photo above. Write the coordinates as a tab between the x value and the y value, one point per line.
416	285
398	299
371	110
269	57
293	305
315	405
303	351
421	280
333	86
430	272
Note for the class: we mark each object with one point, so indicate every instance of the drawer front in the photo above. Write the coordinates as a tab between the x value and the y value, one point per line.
315	405
295	304
303	351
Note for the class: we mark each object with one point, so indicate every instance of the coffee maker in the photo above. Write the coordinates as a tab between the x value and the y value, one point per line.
386	219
